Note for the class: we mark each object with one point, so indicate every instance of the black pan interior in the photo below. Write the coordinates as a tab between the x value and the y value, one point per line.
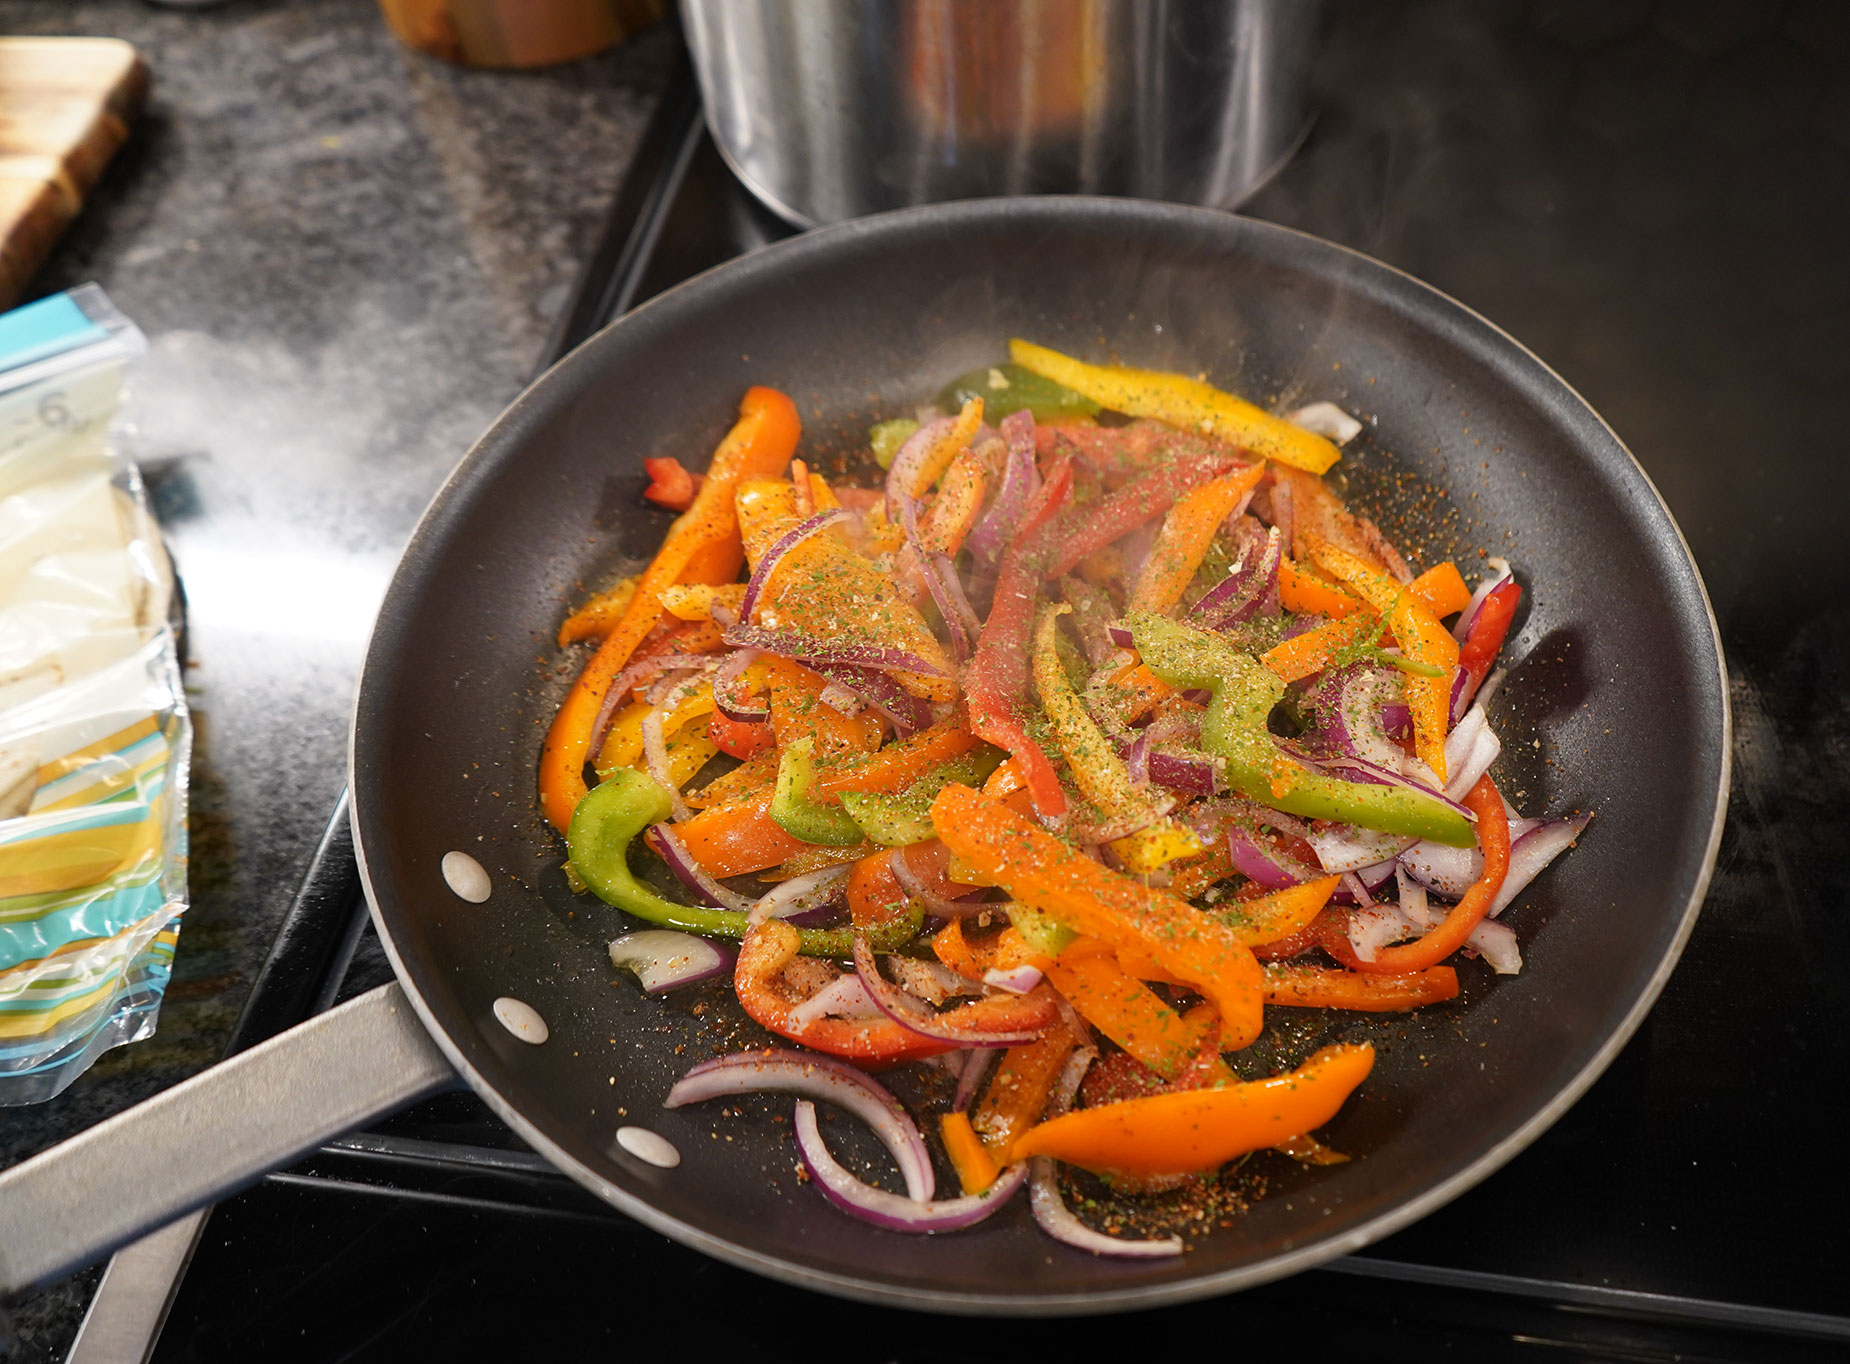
1616	705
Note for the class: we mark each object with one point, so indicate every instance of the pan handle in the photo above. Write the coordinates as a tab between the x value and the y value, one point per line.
214	1133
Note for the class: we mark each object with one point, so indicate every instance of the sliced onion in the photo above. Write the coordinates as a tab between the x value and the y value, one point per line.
724	697
1344	847
808	649
1020	480
663	959
768	562
1532	851
843	997
1190	774
1018	981
1373	927
799	894
1121	635
1250	587
1257	860
889	1210
1414	906
841	699
931	981
1496	943
976	1064
625	682
1137	759
912	1014
947	594
909	460
908	713
692	875
1462	775
1348	703
1359	886
1397	719
1050	1210
1327	420
655	747
819	1077
1452	871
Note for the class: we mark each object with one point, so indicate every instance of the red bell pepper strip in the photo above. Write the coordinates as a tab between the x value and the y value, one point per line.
875	895
1493	835
997	678
704	539
1485	639
670	485
771	945
1084	531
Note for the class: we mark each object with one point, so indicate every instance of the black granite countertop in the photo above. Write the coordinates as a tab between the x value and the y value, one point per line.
346	257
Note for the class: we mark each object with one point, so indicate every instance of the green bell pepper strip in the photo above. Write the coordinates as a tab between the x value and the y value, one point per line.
619	808
1020	388
904	817
1244	693
885	438
796	810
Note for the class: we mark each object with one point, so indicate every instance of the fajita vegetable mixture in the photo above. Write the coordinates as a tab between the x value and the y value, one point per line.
1100	727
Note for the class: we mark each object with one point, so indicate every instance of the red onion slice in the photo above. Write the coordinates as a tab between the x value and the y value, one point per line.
1531	852
933	904
843	997
800	894
1050	1210
663	959
1121	635
1452	871
1137	760
807	649
655	746
1250	587
889	1210
1020	480
1359	886
692	875
1257	860
1496	943
914	1015
1414	906
725	695
625	682
977	1062
908	713
1018	981
819	1077
1373	927
910	458
1348	704
789	540
1188	774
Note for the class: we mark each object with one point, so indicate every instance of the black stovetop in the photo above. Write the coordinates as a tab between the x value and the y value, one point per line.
1657	202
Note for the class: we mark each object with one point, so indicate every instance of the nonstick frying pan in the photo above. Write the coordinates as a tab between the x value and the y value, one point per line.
1616	703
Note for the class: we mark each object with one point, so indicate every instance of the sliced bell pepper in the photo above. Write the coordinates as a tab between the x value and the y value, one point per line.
1317	987
699	546
741	738
954	510
1442	588
1244	694
1485	639
670	485
976	1167
875	895
755	774
1304	593
1429	699
1187	531
1200	1129
1123	1008
898	765
695	601
1269	918
885	438
738	836
896	820
599	616
953	442
1010	388
1484	801
1038	869
1323	647
1090	527
1018	1091
997	679
1183	402
796	813
769	947
608	820
799	712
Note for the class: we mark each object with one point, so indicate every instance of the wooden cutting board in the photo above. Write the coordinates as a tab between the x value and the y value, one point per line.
65	107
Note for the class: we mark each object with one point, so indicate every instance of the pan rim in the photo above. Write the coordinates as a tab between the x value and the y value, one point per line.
1054	210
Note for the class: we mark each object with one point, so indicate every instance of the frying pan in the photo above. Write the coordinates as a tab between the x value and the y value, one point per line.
1616	703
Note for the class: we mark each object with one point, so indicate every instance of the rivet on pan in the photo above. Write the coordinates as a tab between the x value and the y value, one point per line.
521	1019
649	1146
466	877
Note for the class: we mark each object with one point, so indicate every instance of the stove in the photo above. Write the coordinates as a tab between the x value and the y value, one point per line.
1691	1205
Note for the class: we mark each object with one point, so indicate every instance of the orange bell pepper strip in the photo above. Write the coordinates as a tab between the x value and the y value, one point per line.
1187	531
875	895
798	711
738	837
770	946
1190	878
1442	588
1201	1129
1315	650
1123	1008
954	510
740	739
898	765
1429	699
761	442
1493	835
1044	873
976	1167
757	773
1319	987
599	616
1304	593
1018	1091
1282	913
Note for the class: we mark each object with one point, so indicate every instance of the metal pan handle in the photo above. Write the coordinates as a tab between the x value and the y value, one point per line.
208	1136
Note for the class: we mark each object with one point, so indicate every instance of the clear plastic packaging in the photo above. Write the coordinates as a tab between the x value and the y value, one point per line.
94	732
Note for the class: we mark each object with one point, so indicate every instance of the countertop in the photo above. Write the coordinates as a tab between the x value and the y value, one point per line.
346	257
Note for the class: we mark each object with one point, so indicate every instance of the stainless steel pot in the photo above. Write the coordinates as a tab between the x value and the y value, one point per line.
831	109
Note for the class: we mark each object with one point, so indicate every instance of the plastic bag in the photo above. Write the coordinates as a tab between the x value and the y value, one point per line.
94	732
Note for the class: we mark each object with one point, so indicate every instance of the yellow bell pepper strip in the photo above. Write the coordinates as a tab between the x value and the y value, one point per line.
1124	1009
689	751
1244	693
954	510
770	946
1040	870
824	591
623	743
1319	987
703	537
1018	1091
1201	1129
694	601
1184	402
1187	531
1423	640
1323	647
996	680
1282	913
1304	593
1095	766
1484	801
976	1167
1366	581
599	616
